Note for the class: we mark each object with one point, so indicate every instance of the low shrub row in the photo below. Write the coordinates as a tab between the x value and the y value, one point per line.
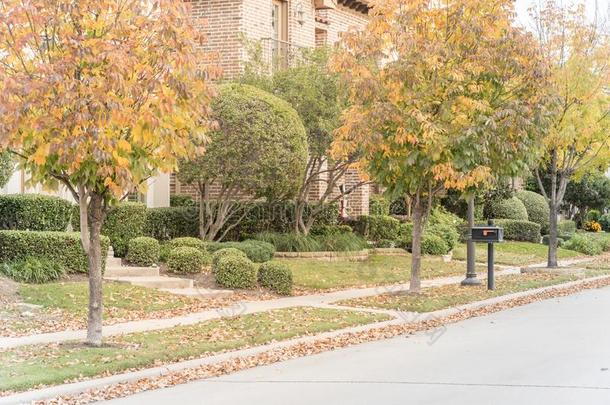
143	251
34	212
63	248
525	231
331	242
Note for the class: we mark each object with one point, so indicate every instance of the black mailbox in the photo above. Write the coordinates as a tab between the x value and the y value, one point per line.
487	234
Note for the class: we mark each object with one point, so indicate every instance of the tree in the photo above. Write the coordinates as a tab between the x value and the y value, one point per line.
314	92
577	136
258	151
98	96
440	92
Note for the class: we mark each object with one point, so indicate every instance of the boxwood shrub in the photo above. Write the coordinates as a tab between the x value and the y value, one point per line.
171	222
63	248
34	212
276	276
186	260
256	250
234	271
432	244
377	227
536	207
181	200
219	254
511	208
143	251
180	242
525	231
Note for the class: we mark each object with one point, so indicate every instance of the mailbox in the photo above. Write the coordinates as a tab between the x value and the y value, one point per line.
488	234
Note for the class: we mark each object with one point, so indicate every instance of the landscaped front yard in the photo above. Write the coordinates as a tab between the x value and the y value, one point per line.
436	298
31	366
514	253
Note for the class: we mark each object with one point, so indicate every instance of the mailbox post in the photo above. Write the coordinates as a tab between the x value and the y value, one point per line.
489	234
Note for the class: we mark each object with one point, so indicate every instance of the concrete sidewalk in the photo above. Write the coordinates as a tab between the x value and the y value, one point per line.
555	351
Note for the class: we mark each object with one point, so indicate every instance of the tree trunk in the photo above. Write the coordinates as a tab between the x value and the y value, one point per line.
418	213
552	258
95	219
299	211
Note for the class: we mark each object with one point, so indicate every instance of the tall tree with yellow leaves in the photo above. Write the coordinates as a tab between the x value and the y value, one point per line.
442	93
99	95
579	130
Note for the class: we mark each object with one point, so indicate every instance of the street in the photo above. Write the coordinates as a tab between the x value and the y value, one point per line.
551	352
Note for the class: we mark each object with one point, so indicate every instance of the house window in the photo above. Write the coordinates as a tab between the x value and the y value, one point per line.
279	23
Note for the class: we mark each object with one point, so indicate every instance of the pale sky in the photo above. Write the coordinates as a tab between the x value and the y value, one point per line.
523	5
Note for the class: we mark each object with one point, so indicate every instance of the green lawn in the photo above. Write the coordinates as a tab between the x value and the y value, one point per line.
379	269
514	253
30	366
436	298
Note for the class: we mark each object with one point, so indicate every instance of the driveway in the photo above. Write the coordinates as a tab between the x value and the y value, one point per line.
550	352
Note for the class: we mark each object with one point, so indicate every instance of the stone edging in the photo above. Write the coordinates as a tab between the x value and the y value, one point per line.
359	255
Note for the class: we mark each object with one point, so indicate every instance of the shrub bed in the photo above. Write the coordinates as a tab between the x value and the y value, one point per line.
584	244
277	277
292	242
566	228
511	208
219	254
377	227
186	260
536	207
143	251
63	248
520	230
234	271
34	212
256	250
33	270
432	244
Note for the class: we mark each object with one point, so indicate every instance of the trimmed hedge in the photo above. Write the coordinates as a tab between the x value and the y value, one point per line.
63	248
219	254
277	277
33	270
34	212
234	271
180	242
172	222
181	200
377	227
186	260
379	205
525	231
536	207
293	242
432	244
256	250
511	208
143	251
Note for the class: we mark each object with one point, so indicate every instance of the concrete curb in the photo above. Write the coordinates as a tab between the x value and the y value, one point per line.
400	318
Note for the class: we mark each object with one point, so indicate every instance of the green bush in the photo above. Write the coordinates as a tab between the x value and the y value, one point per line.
385	243
33	270
181	242
584	244
520	230
536	207
181	200
604	221
276	276
186	260
171	222
432	244
511	208
377	227
566	227
123	223
448	233
379	205
143	251
234	271
63	248
331	230
593	215
546	240
345	242
34	212
256	250
292	242
229	251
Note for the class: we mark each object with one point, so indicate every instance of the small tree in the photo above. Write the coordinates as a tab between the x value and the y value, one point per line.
258	151
577	136
97	96
314	92
439	91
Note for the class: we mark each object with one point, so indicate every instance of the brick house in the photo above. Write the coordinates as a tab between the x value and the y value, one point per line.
282	27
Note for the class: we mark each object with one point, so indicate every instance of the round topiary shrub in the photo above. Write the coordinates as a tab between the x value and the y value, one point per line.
432	244
219	254
536	207
524	231
234	271
181	242
256	250
186	260
276	276
511	208
593	215
143	251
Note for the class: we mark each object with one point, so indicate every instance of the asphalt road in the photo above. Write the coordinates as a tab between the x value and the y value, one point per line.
550	352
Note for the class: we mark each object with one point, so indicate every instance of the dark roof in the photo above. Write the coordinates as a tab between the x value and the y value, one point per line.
358	5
